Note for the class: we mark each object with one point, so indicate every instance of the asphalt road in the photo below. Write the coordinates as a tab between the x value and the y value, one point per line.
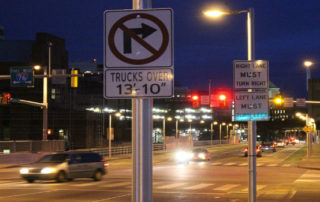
224	178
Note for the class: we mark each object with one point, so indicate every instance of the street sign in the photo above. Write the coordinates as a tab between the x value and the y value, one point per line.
138	38
300	102
204	100
133	83
251	106
288	102
21	77
58	76
251	74
307	129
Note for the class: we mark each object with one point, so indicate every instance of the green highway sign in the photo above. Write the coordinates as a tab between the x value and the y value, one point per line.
21	76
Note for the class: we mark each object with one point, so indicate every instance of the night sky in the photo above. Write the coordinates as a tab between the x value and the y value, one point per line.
286	33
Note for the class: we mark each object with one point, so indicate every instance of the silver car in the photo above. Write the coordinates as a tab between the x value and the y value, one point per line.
65	166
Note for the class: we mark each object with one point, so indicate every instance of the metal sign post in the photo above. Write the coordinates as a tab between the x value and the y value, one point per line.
138	65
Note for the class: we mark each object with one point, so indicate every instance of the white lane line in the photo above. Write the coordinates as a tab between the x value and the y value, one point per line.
198	186
243	164
286	165
272	165
170	186
230	164
120	184
216	163
307	180
259	187
89	184
226	187
310	175
260	164
18	195
108	199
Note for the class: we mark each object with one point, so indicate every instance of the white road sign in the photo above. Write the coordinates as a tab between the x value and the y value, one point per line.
300	102
252	106
133	83
288	102
138	38
251	74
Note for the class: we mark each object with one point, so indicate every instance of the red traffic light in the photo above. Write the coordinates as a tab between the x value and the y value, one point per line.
221	98
195	99
6	97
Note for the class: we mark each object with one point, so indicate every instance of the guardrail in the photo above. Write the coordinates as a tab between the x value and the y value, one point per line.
31	146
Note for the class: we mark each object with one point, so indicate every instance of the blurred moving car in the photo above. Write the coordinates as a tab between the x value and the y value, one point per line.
280	143
183	156
201	154
258	152
65	166
268	146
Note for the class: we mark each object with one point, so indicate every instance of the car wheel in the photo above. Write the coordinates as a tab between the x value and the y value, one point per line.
61	177
30	180
97	176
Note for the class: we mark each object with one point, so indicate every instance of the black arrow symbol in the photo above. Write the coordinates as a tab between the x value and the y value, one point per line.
144	31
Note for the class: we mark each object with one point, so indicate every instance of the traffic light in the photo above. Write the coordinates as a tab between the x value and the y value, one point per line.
6	97
278	100
195	99
221	98
74	79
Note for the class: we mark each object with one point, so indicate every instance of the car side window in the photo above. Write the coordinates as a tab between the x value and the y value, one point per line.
75	158
90	157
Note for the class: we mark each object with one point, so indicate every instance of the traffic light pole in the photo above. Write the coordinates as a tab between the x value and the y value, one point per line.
141	139
251	124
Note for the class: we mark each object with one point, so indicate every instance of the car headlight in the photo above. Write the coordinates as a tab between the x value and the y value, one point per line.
202	156
24	170
48	170
183	156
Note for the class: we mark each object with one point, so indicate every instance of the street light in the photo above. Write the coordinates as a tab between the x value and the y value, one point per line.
309	123
251	124
308	64
117	114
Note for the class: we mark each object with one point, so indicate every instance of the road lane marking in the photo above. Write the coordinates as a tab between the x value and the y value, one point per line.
18	195
307	180
216	163
170	186
306	175
272	165
292	193
260	164
230	164
120	184
89	184
286	165
243	164
226	187
111	198
259	187
198	186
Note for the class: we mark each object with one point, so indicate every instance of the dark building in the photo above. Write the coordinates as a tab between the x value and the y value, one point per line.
314	95
18	121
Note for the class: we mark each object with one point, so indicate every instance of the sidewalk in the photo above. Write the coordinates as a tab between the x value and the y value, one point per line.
314	161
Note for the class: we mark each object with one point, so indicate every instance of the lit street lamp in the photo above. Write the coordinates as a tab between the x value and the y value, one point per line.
309	123
251	124
117	114
308	65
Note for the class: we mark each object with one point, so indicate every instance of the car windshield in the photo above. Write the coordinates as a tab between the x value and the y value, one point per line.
53	158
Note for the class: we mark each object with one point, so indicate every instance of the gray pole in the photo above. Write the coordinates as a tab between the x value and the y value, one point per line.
177	130
142	139
308	77
45	107
251	124
110	131
211	132
220	132
164	132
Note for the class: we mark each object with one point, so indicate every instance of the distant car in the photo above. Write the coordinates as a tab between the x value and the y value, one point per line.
268	146
183	156
201	154
65	166
258	152
280	143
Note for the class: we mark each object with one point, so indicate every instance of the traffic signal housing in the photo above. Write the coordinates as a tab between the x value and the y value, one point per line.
195	99
221	98
74	79
6	97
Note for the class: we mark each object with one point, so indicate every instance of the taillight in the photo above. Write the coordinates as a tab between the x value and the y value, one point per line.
245	150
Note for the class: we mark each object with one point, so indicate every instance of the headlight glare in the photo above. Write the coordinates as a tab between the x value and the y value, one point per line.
24	171
48	170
